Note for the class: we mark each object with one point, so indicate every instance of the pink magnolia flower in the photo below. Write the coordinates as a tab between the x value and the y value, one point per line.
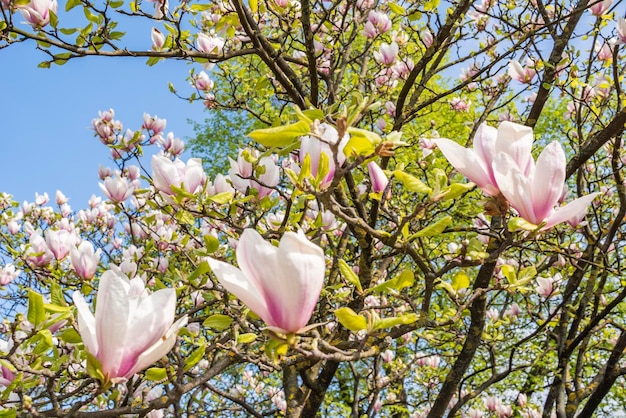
377	176
38	252
37	12
460	105
314	147
158	39
386	54
8	273
280	284
203	82
510	138
209	44
544	286
522	74
427	37
167	173
600	7
59	242
242	175
117	188
131	329
379	20
85	260
604	51
535	192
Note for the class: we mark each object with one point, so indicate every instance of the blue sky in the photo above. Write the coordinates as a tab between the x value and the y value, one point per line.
46	116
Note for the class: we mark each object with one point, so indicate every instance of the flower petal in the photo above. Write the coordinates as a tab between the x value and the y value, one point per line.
515	186
467	162
86	323
573	209
159	349
547	180
236	282
516	140
112	318
298	282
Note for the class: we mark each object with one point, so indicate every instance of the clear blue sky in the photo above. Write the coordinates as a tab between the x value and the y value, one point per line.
46	116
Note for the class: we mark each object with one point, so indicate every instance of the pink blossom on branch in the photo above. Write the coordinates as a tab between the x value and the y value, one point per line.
598	8
37	12
85	260
535	193
279	284
477	164
523	74
167	173
158	39
386	54
131	329
377	176
314	147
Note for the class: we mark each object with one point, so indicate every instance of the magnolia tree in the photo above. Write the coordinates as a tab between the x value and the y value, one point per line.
425	220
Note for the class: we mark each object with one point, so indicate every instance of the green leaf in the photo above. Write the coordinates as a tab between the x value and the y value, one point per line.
211	244
350	275
71	4
395	285
520	224
394	321
362	142
254	5
460	281
195	357
202	268
218	322
349	319
94	368
8	413
3	25
70	336
434	229
453	191
156	373
116	3
397	9
36	311
280	136
221	198
412	184
56	294
246	338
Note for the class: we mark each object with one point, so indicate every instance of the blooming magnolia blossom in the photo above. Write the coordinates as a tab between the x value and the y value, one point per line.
280	284
242	176
386	54
535	193
427	37
477	164
85	260
117	188
37	12
209	44
131	329
523	74
167	173
314	147
8	273
621	30
59	242
600	7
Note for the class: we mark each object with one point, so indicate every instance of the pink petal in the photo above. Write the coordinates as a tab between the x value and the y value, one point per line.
548	179
86	323
516	140
236	282
573	209
515	187
467	162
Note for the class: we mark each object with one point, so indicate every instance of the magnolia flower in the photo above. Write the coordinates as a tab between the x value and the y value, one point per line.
37	12
315	147
117	188
167	173
510	138
378	177
522	74
59	242
158	39
280	284
386	54
427	37
600	7
8	273
85	260
209	44
131	329
242	175
535	193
